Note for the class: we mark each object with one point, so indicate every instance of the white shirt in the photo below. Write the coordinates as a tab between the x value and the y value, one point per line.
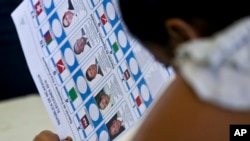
218	67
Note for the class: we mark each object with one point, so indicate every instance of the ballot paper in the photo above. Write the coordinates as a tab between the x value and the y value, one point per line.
96	81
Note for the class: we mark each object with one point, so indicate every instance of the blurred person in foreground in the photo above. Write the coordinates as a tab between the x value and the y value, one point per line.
210	55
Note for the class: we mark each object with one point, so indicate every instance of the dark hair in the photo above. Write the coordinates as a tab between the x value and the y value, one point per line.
88	77
145	18
75	44
122	128
63	20
98	98
74	48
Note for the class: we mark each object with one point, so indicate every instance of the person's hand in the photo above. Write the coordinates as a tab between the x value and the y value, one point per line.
47	135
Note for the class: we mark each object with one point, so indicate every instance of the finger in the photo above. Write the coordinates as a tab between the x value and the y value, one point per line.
68	139
46	135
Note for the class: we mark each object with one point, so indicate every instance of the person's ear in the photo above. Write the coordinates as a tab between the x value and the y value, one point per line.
179	30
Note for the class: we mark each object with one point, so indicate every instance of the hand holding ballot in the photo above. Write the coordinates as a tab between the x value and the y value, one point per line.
47	135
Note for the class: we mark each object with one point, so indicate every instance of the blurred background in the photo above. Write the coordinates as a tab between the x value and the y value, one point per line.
15	80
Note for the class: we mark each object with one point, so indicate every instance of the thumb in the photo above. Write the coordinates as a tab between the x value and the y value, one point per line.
68	139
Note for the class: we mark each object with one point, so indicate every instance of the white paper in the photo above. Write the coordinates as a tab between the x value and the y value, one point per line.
127	72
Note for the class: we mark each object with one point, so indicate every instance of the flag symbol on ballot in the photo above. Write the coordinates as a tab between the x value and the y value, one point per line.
115	47
85	121
126	74
141	107
73	94
37	12
138	101
48	37
126	77
38	8
105	23
104	19
60	66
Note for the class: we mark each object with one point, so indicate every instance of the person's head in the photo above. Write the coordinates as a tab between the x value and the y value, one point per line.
91	72
162	25
115	127
67	18
79	45
103	100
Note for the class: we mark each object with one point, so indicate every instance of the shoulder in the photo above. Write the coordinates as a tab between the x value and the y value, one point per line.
180	112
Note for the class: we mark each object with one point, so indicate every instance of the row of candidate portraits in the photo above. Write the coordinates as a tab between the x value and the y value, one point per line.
115	126
105	101
104	98
74	9
67	19
81	43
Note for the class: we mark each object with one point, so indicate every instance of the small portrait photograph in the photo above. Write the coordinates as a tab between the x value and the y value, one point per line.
94	70
115	126
68	15
81	43
74	9
104	100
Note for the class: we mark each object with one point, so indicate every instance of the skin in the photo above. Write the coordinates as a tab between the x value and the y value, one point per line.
47	135
115	127
179	114
68	17
104	101
79	45
92	71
